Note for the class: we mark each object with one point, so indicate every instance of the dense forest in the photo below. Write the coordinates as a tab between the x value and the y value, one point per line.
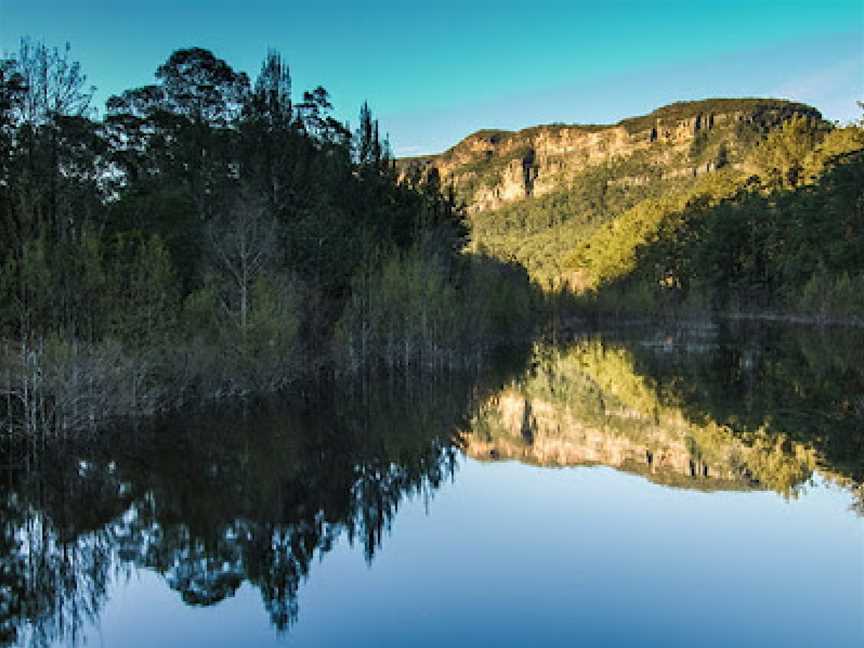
209	235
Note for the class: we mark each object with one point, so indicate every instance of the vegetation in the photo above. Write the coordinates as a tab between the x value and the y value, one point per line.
600	211
787	238
212	236
539	232
764	113
757	213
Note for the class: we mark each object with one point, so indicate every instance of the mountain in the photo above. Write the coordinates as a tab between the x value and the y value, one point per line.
492	168
729	204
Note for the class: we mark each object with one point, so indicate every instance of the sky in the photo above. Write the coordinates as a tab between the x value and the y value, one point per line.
435	72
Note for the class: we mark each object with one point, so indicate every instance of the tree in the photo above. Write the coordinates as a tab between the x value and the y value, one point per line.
242	244
12	90
55	151
781	155
202	88
272	142
314	116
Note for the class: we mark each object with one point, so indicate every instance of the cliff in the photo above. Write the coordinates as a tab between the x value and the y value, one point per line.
492	168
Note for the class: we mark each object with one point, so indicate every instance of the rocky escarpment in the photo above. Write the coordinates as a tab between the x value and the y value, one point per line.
491	168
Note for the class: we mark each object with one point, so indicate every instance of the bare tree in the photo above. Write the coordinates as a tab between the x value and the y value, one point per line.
242	242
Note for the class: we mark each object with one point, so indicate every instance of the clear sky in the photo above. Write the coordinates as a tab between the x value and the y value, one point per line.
434	72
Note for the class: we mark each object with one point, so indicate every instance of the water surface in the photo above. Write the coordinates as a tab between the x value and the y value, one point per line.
663	487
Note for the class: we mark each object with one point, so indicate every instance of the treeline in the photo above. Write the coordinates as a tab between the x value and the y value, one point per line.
783	232
212	236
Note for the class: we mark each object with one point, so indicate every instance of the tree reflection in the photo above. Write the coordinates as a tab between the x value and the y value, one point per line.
794	385
248	496
55	557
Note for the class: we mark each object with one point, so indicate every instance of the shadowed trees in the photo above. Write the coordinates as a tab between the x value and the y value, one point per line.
205	236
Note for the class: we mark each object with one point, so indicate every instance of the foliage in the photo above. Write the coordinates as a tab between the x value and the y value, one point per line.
730	241
766	112
540	231
411	313
207	233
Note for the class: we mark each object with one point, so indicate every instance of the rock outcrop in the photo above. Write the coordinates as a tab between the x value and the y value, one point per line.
491	168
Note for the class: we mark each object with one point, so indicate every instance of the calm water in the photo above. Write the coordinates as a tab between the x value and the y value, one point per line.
631	488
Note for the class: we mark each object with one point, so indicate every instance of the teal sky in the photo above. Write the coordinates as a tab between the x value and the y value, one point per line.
434	72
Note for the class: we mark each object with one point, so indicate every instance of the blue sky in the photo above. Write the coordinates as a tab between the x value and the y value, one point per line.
434	72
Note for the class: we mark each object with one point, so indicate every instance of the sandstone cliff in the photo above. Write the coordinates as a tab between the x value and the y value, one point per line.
492	168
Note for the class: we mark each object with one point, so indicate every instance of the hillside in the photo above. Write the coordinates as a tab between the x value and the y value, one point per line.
736	204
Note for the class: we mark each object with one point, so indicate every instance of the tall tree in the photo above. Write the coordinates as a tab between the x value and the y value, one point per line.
242	244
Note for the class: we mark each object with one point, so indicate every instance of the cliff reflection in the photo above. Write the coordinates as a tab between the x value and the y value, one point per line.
735	407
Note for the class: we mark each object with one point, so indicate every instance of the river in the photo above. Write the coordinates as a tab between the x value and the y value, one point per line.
697	486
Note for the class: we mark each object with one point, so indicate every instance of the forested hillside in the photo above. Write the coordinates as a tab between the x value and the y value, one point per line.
211	235
784	233
723	205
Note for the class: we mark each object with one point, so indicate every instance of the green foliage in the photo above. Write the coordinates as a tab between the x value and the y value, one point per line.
143	298
611	252
540	231
832	298
780	157
740	245
207	234
422	310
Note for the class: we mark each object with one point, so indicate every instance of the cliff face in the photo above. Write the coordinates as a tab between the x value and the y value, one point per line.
489	169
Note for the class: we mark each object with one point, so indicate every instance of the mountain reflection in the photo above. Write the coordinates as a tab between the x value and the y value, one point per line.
255	496
736	407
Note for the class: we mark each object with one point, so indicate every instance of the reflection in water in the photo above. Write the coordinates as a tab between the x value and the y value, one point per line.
749	407
254	498
220	501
